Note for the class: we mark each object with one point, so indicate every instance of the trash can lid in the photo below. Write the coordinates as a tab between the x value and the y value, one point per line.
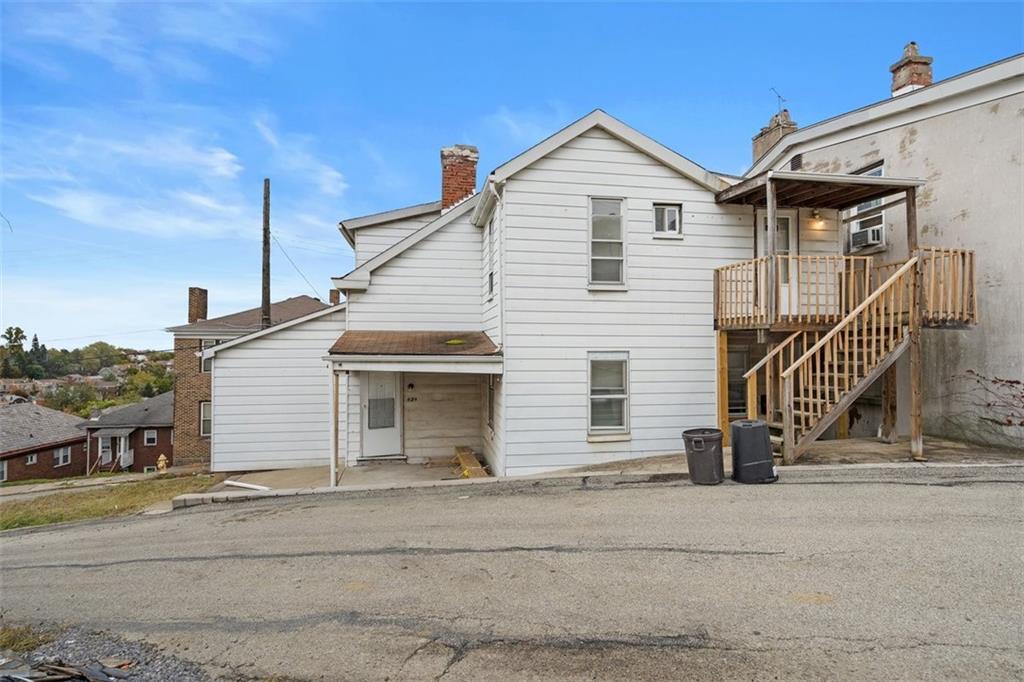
702	432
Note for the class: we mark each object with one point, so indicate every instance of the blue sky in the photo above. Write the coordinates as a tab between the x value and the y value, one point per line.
136	136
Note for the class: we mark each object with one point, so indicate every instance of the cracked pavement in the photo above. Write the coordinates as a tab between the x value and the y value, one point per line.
915	577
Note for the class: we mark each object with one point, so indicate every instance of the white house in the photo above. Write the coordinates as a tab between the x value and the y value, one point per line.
600	294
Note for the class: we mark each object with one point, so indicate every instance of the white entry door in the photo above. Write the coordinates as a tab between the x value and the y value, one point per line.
382	414
785	245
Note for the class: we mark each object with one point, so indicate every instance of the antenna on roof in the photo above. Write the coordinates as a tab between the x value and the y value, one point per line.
780	98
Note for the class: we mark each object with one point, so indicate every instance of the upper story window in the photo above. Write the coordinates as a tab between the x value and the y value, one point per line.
870	231
668	220
607	242
204	344
609	393
205	418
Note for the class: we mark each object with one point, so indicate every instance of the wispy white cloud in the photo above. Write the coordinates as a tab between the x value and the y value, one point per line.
528	126
292	153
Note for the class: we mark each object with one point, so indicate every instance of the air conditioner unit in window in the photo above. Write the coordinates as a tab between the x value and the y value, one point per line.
865	238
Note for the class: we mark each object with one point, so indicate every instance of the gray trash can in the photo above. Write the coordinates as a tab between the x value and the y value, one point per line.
704	456
752	460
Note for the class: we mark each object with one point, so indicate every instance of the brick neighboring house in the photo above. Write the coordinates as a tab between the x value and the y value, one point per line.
37	442
193	411
132	437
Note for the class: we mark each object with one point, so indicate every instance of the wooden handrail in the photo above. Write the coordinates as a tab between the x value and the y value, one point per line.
774	351
852	316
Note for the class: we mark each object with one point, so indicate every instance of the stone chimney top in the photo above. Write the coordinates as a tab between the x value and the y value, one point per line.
458	173
911	72
778	127
335	296
196	304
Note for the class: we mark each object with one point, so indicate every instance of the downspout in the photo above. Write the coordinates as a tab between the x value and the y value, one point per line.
334	427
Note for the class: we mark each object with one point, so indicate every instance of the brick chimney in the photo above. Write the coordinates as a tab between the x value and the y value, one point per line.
196	304
458	173
335	296
778	127
911	72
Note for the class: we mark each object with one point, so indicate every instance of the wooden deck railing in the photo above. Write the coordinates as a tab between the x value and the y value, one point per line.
860	346
771	366
807	290
949	294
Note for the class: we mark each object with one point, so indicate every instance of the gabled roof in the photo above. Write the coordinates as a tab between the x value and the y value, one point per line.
152	412
348	225
213	350
360	277
249	320
24	426
614	127
945	91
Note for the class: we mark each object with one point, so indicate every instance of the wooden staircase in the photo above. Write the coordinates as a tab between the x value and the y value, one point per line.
811	378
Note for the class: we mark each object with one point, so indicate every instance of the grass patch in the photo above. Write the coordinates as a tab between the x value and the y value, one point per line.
118	500
62	481
22	639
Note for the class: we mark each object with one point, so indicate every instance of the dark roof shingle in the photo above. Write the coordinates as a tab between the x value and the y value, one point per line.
27	425
376	342
249	320
154	412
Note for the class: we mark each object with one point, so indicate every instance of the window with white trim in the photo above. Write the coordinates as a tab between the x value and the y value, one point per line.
149	437
208	362
31	459
205	418
607	242
608	383
3	470
871	230
62	456
668	220
106	449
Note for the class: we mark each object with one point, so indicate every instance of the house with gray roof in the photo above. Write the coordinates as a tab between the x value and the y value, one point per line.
37	442
133	437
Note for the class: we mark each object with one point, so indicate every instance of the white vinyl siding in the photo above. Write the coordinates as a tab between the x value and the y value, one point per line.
441	412
370	241
552	320
435	285
272	398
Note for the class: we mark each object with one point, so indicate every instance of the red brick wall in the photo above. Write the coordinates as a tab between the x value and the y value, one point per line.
458	173
191	386
145	456
17	470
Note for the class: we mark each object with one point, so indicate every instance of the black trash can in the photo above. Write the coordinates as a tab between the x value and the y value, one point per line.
704	456
752	460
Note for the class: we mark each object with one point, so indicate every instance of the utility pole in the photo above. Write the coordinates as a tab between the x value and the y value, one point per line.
265	317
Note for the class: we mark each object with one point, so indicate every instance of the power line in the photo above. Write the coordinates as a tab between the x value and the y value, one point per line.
301	274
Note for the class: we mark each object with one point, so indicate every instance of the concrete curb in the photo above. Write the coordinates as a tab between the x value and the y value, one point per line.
610	479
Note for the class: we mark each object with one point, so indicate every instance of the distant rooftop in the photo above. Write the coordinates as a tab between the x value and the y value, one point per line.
249	320
24	426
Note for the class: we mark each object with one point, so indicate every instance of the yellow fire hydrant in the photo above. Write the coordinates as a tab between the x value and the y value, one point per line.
161	464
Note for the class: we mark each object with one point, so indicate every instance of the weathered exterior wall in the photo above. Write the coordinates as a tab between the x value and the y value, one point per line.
370	241
272	398
972	161
663	318
18	470
440	412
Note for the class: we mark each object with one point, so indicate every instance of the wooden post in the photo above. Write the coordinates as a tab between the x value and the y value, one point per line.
788	428
843	425
770	247
888	433
265	311
916	427
722	360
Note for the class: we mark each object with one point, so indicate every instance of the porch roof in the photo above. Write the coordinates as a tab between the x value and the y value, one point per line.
116	433
815	190
404	343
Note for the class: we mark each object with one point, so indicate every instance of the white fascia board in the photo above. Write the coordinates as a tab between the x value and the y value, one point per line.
436	364
348	226
485	208
616	128
359	278
845	179
990	82
206	335
213	350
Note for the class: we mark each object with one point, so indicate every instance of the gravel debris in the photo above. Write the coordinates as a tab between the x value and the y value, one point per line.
79	646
